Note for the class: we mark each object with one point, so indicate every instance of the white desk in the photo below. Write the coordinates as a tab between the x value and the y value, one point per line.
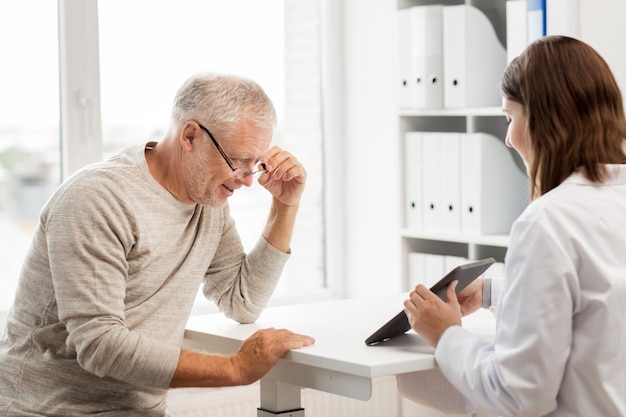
339	362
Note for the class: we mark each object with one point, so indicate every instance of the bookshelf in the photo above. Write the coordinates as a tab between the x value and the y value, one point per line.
486	119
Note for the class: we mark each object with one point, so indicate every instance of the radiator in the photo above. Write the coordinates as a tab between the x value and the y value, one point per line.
243	402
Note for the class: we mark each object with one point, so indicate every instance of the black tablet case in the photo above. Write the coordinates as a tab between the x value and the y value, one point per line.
465	274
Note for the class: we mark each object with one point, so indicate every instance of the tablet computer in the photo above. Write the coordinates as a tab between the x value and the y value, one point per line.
465	274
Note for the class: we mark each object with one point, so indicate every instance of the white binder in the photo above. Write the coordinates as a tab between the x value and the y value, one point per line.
516	28
406	89
434	269
413	180
416	269
450	175
425	268
536	19
494	191
431	157
441	182
427	55
473	58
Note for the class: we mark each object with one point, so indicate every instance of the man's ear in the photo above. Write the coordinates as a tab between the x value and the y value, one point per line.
188	134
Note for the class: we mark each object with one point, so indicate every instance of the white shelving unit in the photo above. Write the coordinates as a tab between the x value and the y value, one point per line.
465	120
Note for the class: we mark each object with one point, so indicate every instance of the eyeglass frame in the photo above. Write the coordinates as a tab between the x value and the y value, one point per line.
232	167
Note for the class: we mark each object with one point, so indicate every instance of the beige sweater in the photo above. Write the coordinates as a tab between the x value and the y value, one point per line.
106	289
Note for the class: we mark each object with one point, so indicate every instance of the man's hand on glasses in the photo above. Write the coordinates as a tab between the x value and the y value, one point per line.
285	176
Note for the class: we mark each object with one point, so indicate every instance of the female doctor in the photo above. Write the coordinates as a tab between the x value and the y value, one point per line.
561	308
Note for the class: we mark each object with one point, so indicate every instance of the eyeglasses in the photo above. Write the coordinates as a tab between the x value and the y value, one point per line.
237	172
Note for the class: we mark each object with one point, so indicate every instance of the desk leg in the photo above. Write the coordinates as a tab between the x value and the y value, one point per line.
279	399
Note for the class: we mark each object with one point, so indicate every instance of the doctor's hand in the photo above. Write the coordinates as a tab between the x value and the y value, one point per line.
429	315
258	354
471	297
285	176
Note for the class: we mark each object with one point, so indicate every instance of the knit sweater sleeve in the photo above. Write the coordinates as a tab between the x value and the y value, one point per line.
88	236
241	285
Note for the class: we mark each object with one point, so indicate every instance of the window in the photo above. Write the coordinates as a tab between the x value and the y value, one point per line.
146	49
275	42
173	41
29	128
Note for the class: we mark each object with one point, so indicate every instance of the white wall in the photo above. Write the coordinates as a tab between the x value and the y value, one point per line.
372	209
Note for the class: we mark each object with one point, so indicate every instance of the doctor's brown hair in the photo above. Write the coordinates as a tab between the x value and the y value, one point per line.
574	110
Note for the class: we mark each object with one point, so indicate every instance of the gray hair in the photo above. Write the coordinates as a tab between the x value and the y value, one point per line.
220	101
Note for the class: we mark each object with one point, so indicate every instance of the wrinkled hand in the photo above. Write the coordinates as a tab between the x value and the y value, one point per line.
429	315
471	297
263	349
285	177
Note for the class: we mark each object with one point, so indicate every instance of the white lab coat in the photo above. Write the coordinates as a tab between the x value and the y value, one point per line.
560	343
